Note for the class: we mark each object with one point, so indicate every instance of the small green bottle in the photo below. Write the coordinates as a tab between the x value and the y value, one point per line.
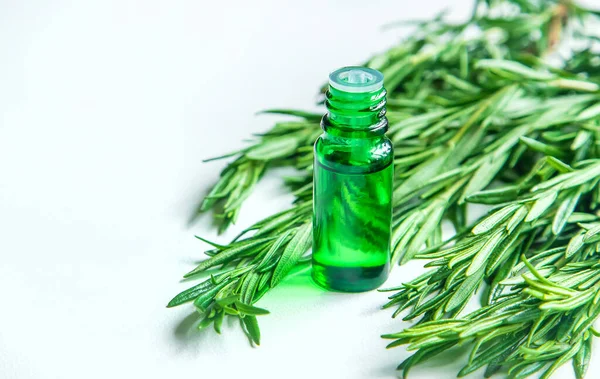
353	177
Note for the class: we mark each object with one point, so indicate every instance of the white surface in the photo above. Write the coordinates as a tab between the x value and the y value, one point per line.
106	110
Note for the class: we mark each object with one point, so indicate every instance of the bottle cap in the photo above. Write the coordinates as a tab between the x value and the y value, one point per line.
356	79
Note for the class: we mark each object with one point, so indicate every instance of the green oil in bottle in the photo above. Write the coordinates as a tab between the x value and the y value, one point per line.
353	178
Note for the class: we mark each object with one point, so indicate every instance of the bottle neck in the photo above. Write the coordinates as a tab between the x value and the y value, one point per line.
355	114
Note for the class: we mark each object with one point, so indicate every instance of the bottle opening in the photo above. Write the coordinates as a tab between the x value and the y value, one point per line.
356	79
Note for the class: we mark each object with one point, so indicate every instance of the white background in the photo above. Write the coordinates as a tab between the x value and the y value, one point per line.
106	110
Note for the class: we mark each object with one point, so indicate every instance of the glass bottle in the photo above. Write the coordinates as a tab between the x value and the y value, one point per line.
353	175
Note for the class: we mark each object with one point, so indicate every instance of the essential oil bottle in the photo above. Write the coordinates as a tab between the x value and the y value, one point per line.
353	178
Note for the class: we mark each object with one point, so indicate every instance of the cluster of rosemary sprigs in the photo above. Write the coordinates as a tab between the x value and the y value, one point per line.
477	115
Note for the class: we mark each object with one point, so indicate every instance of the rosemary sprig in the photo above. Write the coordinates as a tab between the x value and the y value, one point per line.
285	144
537	215
543	323
249	267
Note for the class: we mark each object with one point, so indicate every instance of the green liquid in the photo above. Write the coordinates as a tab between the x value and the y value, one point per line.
351	227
